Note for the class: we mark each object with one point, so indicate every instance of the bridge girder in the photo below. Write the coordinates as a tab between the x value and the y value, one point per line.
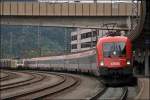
82	22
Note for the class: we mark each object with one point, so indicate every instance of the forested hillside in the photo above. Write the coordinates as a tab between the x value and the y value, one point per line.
32	41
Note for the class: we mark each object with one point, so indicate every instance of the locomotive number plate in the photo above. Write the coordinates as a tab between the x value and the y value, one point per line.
115	63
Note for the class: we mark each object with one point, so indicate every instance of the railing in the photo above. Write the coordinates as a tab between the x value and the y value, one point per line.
65	9
72	1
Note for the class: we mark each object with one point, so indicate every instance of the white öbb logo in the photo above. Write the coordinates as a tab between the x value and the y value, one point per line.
115	63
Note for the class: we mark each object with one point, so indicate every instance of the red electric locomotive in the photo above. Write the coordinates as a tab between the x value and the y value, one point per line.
114	57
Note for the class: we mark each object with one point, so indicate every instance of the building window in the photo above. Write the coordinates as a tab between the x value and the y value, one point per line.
94	33
94	43
74	46
86	45
88	34
82	36
74	37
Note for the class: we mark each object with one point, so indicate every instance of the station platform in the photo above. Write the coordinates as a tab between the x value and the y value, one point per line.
144	89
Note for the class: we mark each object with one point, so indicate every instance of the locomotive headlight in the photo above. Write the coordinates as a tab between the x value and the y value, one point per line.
102	63
128	62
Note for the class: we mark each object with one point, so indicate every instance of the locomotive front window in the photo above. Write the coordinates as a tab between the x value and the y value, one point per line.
117	49
120	48
108	49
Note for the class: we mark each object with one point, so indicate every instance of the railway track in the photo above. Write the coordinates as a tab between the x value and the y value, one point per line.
23	90
109	93
9	75
34	79
124	93
3	75
48	85
20	78
98	94
70	83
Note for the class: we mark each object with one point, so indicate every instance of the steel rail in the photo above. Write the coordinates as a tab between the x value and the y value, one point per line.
3	75
124	94
10	76
37	78
74	84
27	93
17	82
99	93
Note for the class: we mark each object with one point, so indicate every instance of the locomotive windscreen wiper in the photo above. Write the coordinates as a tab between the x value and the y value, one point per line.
111	49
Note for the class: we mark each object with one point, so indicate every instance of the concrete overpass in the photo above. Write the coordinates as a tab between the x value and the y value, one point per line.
18	8
72	14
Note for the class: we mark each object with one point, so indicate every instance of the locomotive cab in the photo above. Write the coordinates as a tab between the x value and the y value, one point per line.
114	56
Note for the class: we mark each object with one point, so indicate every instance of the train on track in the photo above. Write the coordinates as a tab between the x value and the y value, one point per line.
8	63
114	57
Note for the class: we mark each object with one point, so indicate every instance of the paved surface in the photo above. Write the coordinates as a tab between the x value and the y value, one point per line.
132	92
144	86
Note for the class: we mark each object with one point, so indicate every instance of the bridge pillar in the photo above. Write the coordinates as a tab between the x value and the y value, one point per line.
147	54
